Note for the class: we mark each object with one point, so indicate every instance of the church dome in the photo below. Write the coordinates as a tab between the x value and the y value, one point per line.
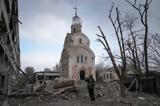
76	23
76	20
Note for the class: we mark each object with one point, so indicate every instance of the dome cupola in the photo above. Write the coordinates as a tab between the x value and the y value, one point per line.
76	23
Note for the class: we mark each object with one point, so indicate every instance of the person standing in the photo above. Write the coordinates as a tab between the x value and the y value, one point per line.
91	84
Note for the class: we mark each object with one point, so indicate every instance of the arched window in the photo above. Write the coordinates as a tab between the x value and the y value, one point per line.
107	75
74	30
85	58
111	76
71	42
81	58
77	59
80	41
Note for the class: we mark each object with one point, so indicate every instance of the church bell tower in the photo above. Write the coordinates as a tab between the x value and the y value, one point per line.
77	59
76	26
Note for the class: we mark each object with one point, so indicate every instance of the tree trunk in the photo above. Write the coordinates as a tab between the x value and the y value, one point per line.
122	88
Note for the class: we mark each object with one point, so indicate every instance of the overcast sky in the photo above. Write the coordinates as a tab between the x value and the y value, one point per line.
46	22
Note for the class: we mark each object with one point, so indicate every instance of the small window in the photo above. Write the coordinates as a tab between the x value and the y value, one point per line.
110	75
71	42
107	76
85	58
77	59
80	41
49	77
40	77
81	58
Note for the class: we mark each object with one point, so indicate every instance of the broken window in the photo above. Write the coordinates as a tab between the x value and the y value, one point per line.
2	81
49	77
55	77
40	77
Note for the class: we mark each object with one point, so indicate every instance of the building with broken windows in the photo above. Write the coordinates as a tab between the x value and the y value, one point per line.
45	78
9	45
108	75
77	59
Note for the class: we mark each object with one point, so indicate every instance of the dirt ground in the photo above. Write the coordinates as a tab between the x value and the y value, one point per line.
106	95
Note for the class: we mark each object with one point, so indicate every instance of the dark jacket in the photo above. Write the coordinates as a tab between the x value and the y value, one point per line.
90	83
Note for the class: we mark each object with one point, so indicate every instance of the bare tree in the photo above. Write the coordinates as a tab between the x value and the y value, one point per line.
119	69
29	71
57	67
154	55
132	42
132	48
142	10
100	67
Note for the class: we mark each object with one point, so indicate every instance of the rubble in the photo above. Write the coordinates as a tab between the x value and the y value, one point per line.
62	82
77	95
142	98
111	92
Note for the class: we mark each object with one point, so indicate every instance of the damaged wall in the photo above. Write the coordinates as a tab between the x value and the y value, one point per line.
9	44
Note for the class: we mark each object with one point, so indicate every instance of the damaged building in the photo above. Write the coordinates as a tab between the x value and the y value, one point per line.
9	45
45	77
77	59
107	75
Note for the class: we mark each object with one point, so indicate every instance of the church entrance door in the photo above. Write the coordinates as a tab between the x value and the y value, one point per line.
82	75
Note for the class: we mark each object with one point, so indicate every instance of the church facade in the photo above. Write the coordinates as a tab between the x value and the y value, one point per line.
77	59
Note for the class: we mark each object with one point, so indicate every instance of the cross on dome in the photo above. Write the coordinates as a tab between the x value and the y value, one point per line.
76	20
75	10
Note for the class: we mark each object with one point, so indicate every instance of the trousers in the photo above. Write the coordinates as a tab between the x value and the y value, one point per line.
91	94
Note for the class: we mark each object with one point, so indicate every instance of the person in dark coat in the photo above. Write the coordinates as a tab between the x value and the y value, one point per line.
91	84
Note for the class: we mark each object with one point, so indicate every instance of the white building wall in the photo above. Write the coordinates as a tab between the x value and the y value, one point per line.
70	66
77	44
88	66
84	40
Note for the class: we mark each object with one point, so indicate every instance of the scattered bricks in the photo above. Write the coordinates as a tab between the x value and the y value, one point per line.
99	95
61	83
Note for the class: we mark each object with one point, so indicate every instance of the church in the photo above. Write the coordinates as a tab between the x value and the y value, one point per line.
77	59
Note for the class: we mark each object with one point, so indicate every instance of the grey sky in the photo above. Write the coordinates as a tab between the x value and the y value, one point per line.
46	22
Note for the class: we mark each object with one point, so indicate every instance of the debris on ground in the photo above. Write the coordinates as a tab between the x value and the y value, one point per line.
142	98
77	95
63	82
